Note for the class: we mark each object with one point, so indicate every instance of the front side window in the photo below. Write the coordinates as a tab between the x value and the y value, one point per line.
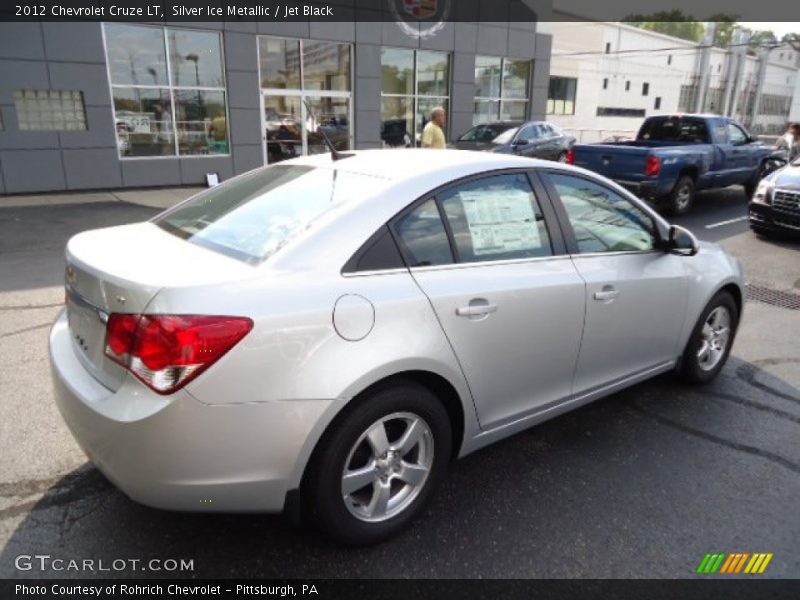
496	218
602	219
501	89
413	82
168	88
252	216
736	135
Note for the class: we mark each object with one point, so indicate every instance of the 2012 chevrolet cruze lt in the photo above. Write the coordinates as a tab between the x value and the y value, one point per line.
328	334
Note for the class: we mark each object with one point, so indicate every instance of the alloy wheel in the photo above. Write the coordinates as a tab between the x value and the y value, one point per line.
714	338
387	467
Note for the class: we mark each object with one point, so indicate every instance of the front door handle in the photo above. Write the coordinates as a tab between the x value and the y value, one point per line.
606	294
476	310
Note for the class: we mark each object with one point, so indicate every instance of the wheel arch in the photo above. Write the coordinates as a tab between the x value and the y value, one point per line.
454	402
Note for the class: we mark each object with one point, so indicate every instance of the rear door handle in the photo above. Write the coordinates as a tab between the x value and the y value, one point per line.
476	310
606	294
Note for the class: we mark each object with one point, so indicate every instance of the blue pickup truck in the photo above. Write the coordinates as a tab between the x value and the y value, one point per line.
675	155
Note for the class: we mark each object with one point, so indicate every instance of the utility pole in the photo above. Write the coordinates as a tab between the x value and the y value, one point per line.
705	60
737	56
763	62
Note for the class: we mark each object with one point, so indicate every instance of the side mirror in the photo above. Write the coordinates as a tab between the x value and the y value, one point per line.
681	241
520	143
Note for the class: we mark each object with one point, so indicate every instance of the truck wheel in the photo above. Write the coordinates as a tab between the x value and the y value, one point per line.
680	199
750	186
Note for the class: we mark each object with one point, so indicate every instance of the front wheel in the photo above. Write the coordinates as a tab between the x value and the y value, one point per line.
681	198
711	340
379	464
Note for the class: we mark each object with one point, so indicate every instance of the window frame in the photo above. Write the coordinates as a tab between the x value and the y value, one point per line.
305	94
415	97
554	232
501	99
171	89
659	228
552	103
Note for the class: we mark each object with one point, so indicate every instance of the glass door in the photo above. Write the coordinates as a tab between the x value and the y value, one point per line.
282	127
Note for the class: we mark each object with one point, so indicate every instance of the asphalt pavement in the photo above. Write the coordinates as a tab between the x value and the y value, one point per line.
641	484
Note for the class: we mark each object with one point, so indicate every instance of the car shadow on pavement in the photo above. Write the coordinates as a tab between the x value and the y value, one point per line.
661	470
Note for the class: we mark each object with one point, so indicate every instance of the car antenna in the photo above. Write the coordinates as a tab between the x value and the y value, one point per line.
335	154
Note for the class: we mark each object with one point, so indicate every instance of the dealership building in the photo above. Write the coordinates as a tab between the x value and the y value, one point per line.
100	105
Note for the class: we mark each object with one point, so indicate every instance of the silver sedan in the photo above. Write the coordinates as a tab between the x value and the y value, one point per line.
323	336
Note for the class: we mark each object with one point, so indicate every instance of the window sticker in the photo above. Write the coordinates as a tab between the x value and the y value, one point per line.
500	221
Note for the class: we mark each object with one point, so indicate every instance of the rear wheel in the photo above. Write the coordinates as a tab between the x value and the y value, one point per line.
378	466
562	158
681	198
710	343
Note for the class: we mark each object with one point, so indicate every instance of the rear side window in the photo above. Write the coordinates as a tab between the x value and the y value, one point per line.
253	216
496	218
423	236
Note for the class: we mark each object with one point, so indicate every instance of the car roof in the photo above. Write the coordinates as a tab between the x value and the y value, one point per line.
409	163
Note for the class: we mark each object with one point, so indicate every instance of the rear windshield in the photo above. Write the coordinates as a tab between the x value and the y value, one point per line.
488	133
675	129
251	217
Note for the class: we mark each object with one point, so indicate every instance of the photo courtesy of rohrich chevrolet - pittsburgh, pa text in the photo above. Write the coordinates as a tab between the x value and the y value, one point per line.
400	299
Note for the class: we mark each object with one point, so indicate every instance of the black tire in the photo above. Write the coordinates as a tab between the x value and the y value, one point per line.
750	186
763	233
323	498
562	157
681	198
691	370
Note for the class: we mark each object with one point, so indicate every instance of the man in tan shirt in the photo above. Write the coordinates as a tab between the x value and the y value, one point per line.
433	133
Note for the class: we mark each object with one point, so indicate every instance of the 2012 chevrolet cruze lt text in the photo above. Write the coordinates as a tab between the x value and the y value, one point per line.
328	334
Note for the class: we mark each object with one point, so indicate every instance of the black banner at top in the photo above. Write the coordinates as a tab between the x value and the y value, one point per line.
412	11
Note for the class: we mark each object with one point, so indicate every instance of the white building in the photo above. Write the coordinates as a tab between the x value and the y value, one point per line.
606	77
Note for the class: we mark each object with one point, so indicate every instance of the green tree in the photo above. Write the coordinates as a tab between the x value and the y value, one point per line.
671	22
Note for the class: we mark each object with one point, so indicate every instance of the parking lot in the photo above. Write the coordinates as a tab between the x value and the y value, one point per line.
641	484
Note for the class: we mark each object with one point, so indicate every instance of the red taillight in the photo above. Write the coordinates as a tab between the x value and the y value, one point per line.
652	165
570	157
168	351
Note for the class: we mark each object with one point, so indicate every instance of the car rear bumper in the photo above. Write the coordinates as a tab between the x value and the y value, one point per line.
646	189
175	452
763	217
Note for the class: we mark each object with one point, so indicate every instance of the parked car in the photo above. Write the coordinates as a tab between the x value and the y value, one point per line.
776	203
534	139
675	156
314	337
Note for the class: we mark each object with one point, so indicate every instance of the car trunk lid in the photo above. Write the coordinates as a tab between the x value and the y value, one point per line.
120	270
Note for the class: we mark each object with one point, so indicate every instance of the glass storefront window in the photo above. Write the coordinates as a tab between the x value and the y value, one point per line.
200	122
515	78
433	73
143	121
397	121
326	66
136	55
413	82
195	59
280	63
306	91
488	72
501	89
397	71
168	86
